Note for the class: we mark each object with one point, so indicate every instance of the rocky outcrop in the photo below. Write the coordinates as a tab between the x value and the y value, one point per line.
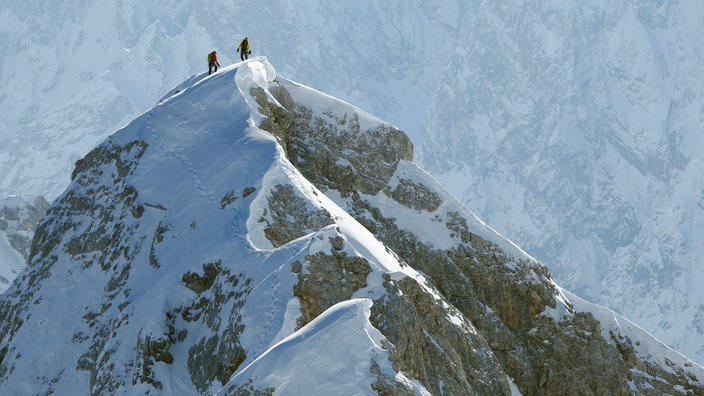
288	217
345	157
215	356
414	195
507	299
429	341
432	342
328	278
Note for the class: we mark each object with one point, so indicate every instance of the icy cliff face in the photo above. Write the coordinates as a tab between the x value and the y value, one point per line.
250	234
571	128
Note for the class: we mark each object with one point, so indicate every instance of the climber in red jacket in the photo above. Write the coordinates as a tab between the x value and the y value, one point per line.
213	62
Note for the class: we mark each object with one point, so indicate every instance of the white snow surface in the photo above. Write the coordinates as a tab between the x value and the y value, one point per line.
348	339
572	128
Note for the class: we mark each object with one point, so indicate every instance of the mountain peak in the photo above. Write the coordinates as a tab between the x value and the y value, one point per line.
250	234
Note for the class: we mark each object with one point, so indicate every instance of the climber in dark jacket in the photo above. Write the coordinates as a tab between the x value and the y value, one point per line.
244	49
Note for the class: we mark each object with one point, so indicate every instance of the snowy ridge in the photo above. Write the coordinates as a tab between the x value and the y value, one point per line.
433	232
300	355
188	166
239	226
645	345
257	72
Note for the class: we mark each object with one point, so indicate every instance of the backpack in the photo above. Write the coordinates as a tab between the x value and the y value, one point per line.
210	57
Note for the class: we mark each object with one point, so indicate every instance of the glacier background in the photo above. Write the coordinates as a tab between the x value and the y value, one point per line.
575	130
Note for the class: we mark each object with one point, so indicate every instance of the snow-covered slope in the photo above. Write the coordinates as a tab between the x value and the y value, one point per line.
321	357
161	236
247	224
571	128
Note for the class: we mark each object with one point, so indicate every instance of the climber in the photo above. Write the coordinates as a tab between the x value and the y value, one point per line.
213	62
244	49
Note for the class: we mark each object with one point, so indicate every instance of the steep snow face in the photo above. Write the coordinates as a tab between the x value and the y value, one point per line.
571	128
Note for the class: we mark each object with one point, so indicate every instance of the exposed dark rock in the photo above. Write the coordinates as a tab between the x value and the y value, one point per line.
331	150
386	385
413	195
108	205
247	191
199	283
249	389
216	356
291	217
430	346
503	298
328	279
149	352
229	198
